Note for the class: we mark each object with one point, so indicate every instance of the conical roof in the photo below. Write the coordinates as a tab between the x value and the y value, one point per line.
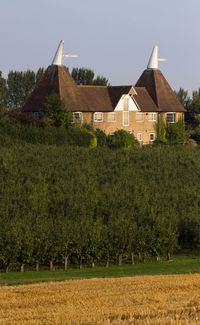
56	80
160	91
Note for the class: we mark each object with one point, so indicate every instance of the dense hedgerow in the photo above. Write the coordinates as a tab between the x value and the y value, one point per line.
96	205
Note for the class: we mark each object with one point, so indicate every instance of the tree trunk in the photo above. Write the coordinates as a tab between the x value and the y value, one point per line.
80	265
22	268
107	263
157	258
6	269
168	256
37	267
132	259
93	265
66	263
120	260
51	266
144	257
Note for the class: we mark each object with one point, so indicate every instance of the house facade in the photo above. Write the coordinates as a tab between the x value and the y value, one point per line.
135	109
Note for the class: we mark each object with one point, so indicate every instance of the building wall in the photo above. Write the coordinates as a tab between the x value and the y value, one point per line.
145	127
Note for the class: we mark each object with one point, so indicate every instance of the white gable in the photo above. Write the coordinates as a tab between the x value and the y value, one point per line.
131	104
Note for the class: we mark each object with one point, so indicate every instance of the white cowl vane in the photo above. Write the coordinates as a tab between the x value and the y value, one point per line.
153	61
57	60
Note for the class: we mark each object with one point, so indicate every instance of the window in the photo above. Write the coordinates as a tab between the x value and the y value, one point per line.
139	117
152	117
111	117
171	118
125	118
126	104
77	116
98	117
36	115
139	136
152	136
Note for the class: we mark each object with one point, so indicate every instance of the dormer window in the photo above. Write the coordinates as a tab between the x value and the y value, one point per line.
98	117
77	116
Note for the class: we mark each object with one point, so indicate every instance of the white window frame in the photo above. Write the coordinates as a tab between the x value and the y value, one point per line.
95	117
139	136
74	118
175	118
36	115
125	112
141	114
114	114
153	137
154	117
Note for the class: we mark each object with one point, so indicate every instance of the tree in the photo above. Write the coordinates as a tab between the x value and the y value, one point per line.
19	85
83	76
183	97
3	93
54	109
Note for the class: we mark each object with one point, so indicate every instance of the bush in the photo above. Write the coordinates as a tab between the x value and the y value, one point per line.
54	109
82	137
175	132
121	139
160	131
101	138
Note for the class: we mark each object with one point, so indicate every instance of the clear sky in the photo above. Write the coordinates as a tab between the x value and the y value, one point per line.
112	37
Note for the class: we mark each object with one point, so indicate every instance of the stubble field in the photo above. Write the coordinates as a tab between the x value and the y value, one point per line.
172	299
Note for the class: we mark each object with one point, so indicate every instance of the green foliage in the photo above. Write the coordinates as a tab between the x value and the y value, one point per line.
196	135
19	85
94	205
54	109
121	139
82	136
83	76
160	130
175	132
101	138
3	94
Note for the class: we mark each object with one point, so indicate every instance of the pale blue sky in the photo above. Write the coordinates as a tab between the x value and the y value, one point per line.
113	37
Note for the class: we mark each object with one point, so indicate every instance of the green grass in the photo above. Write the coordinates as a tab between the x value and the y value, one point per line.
179	264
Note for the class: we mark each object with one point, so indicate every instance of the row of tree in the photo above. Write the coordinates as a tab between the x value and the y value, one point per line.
79	205
15	89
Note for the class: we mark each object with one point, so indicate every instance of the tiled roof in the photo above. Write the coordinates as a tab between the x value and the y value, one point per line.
160	91
144	100
153	93
102	98
56	80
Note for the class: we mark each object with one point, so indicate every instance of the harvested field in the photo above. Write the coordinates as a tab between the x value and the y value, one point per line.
172	299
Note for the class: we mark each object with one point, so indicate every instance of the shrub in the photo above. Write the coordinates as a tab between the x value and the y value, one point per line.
175	132
160	131
121	139
82	137
54	109
101	138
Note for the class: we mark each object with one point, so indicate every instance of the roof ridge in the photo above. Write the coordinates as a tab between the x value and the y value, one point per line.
155	85
92	86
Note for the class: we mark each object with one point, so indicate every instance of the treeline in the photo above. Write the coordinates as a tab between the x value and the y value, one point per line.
64	204
18	85
192	115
